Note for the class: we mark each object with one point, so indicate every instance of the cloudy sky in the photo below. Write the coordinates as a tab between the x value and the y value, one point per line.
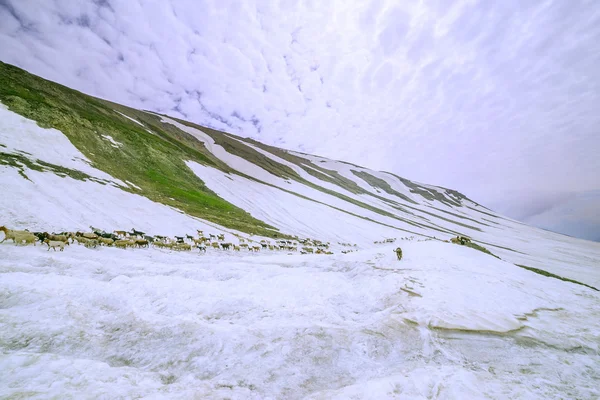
497	99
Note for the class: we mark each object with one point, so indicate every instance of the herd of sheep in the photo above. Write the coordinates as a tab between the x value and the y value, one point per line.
138	239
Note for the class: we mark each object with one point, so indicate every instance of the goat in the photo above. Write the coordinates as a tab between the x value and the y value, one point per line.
137	233
41	236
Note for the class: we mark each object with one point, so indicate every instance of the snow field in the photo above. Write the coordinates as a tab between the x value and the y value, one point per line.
442	322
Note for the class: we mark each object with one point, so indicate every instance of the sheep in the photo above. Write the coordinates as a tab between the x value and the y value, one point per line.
121	244
141	243
106	241
226	246
120	233
59	238
91	243
236	248
80	239
53	244
221	237
163	244
20	238
182	247
201	248
200	233
124	243
254	248
87	235
10	234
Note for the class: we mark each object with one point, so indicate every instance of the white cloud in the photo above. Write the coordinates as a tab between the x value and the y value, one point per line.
485	97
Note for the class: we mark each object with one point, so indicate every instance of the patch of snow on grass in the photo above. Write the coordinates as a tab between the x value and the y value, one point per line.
48	202
288	212
133	185
113	142
22	135
129	118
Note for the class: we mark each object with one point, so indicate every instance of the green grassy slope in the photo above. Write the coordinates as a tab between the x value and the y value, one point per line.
152	161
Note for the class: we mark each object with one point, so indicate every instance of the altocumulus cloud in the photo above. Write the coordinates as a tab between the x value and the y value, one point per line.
497	99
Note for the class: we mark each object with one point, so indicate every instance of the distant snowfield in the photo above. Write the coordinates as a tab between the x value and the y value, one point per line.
446	322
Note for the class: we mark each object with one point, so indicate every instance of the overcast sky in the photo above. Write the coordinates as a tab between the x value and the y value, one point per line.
497	99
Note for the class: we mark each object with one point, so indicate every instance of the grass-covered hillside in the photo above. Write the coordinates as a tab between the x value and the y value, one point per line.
151	157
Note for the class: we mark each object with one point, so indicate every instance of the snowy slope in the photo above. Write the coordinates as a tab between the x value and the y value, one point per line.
49	202
321	216
447	322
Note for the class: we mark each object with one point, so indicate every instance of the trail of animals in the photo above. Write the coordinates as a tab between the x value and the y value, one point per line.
137	239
